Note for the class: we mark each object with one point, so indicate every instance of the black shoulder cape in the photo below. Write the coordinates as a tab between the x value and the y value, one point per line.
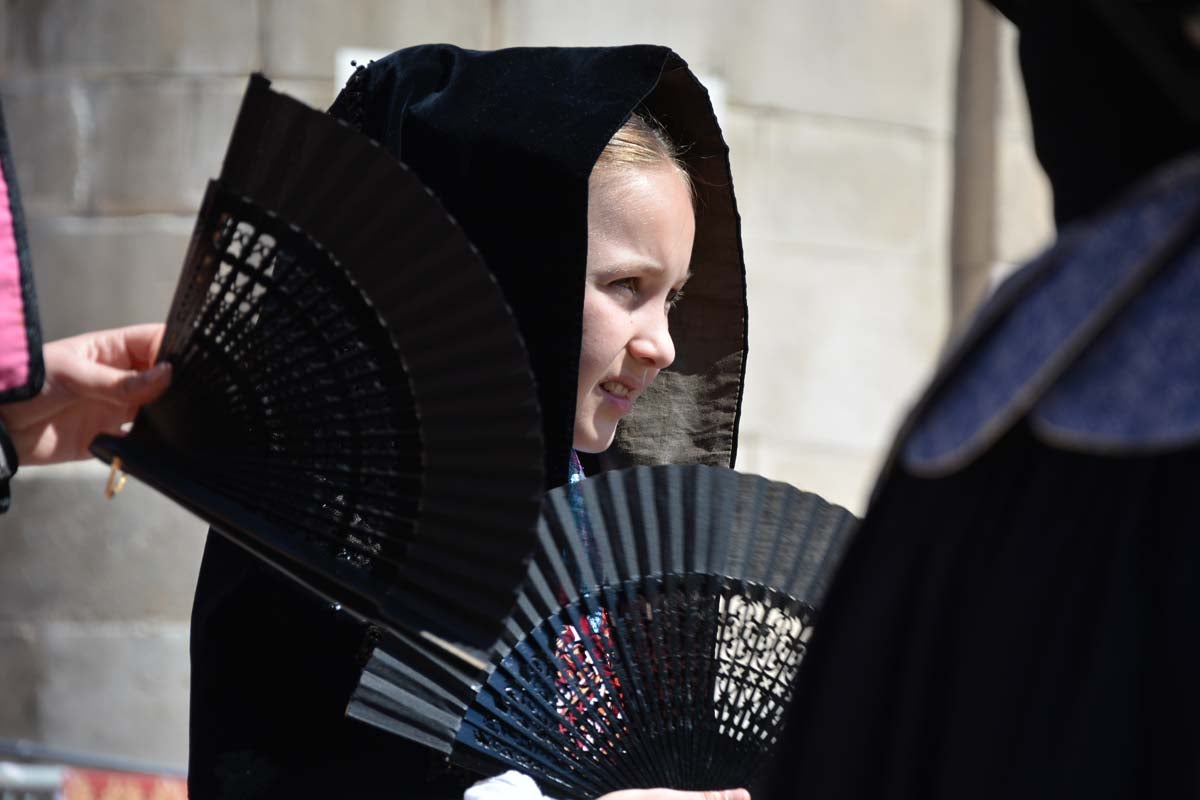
1015	616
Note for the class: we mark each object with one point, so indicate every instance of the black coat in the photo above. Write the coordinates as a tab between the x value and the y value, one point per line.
1016	616
507	141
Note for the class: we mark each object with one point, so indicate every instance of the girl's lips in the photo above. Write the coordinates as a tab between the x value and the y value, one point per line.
623	404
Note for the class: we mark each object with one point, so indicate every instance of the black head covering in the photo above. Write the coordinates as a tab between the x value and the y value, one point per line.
1113	89
507	141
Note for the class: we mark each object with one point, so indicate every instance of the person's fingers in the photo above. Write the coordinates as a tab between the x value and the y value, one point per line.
139	388
131	347
142	343
728	794
119	387
146	386
676	794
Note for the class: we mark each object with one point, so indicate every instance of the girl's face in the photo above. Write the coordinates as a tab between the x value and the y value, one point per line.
640	232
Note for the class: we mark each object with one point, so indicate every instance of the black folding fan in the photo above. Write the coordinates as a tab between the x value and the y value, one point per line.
653	643
350	396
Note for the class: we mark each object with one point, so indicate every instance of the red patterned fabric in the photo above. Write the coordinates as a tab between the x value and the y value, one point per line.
586	683
93	784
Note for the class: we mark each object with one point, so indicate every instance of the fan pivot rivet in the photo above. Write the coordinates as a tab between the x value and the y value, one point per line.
116	480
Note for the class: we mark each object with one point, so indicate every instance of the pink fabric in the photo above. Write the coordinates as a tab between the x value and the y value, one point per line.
14	346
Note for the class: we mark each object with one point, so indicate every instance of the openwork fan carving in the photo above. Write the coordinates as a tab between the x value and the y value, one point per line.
341	359
653	643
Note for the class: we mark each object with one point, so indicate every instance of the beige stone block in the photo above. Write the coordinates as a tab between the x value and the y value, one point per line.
111	690
125	36
1012	111
841	340
301	36
1024	203
48	124
888	62
157	142
69	554
840	476
214	106
21	665
116	690
844	477
704	32
938	202
838	182
745	131
5	27
748	450
316	93
103	272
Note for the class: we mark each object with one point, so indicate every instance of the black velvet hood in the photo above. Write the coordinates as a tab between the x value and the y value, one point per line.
1114	92
506	140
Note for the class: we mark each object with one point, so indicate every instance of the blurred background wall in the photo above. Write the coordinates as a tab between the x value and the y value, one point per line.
882	166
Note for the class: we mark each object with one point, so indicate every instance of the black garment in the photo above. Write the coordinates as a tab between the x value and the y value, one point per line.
507	141
1015	616
1113	94
272	670
1023	628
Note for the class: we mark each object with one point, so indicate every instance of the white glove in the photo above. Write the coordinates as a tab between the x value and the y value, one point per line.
511	785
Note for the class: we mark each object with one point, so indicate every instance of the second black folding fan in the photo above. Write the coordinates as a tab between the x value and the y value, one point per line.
653	644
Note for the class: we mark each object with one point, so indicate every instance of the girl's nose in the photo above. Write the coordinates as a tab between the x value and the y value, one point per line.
653	345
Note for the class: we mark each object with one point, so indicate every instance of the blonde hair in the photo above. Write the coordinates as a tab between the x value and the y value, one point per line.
641	142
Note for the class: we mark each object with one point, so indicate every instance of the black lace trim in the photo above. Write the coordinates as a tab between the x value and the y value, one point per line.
348	107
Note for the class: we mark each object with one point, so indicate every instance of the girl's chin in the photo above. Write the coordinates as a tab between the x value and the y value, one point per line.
594	441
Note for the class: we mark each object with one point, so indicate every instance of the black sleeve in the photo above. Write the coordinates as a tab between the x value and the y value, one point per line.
273	667
8	466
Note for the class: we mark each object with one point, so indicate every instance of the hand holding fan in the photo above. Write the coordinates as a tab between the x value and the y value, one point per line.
350	396
653	643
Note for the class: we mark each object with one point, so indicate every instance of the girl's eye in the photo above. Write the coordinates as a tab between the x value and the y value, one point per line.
629	284
674	298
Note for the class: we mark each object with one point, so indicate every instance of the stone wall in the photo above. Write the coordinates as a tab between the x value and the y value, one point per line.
841	118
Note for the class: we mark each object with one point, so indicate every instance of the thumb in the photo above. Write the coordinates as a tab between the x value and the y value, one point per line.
120	387
146	386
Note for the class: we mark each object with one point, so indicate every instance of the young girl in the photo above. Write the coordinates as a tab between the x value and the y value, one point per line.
592	225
